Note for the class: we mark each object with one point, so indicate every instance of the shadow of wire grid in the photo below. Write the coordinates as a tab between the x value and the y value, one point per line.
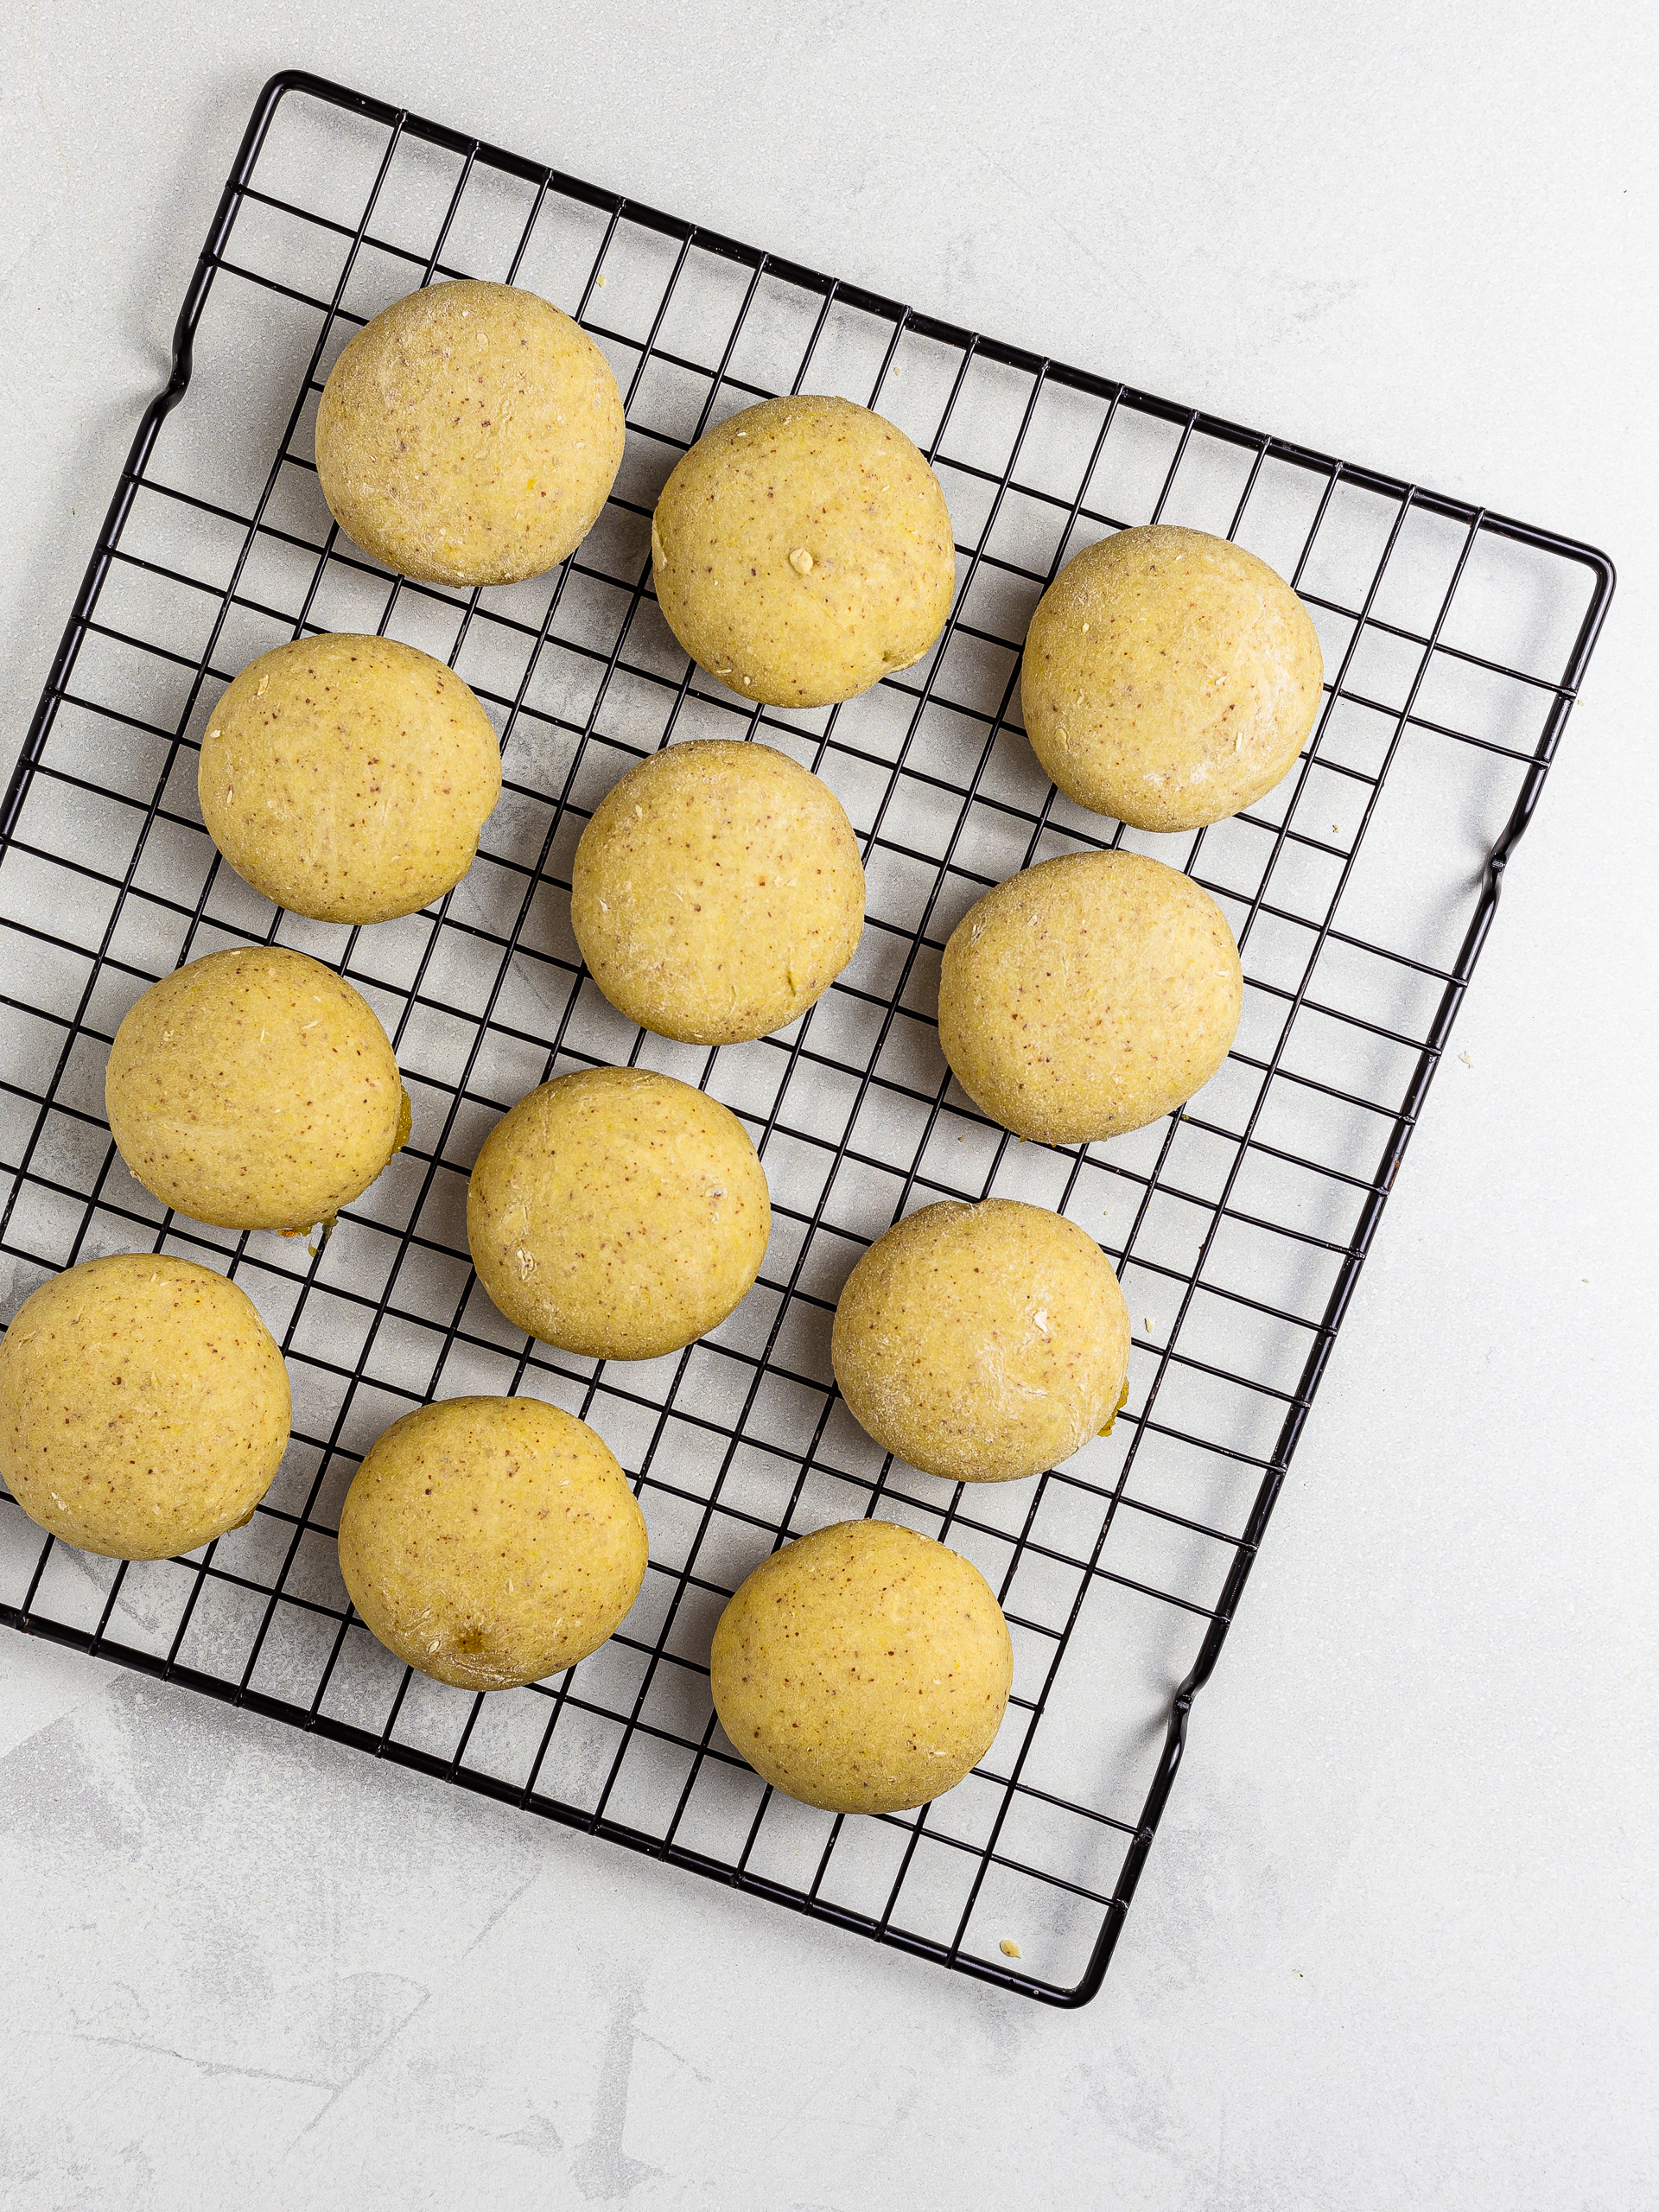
1358	890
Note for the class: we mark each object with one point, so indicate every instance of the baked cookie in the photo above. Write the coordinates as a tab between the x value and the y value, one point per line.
491	1541
982	1343
255	1089
802	550
1089	995
863	1670
144	1405
618	1213
1170	678
348	777
717	891
469	435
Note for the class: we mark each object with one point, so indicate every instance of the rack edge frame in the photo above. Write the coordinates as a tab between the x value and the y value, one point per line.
302	81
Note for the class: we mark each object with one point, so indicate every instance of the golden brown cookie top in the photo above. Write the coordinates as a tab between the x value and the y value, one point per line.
717	891
1170	678
864	1668
347	777
802	550
982	1343
618	1213
254	1089
469	435
144	1405
490	1541
1089	995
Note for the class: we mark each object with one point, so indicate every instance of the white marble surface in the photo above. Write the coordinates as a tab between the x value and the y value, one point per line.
1396	1943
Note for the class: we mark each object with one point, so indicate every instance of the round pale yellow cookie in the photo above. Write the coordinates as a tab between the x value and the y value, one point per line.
144	1405
802	550
1170	678
254	1090
491	1541
982	1343
618	1213
347	777
717	891
1089	995
863	1670
469	435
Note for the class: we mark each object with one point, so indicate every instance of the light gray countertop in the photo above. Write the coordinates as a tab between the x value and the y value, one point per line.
1395	1943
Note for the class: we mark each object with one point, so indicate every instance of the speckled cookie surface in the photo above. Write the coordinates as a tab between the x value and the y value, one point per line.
863	1670
618	1213
982	1343
254	1090
802	550
717	891
491	1541
1088	996
144	1405
347	777
469	435
1170	678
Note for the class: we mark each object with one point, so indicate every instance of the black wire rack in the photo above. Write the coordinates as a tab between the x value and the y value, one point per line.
1360	892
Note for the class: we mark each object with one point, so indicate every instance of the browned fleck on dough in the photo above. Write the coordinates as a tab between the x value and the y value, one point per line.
717	893
1089	995
865	1669
1170	678
491	1541
254	1090
982	1343
802	550
188	1448
639	1204
469	435
348	777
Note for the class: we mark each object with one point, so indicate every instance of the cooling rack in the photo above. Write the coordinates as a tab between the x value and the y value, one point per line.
1360	892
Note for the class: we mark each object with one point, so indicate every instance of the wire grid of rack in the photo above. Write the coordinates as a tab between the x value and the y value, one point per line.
1360	893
